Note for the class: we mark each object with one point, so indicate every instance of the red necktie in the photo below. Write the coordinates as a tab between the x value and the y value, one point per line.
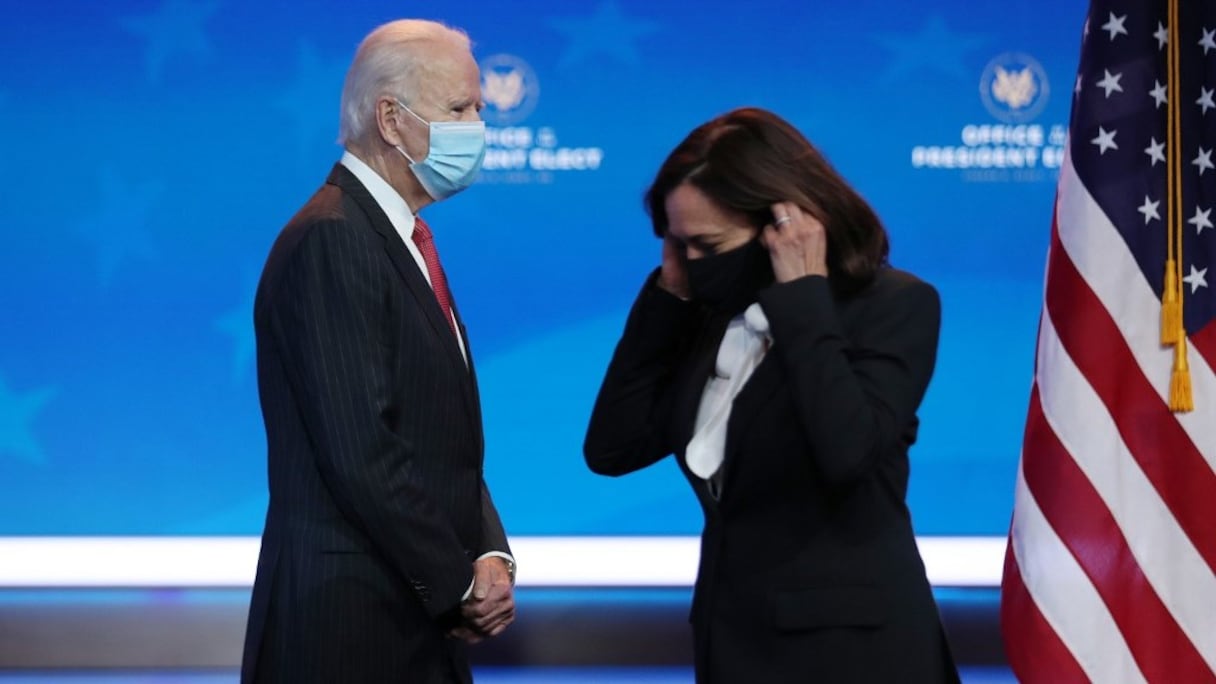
439	283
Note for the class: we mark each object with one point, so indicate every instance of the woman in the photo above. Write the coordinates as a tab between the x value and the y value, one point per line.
782	360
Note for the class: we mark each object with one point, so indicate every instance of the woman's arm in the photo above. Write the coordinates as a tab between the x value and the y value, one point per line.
632	412
856	396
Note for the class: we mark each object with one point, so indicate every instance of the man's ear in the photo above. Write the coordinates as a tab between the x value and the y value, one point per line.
388	117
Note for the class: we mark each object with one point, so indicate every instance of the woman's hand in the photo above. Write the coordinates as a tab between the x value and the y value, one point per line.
674	276
796	242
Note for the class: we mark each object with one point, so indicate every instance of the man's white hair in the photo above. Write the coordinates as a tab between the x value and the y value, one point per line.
387	61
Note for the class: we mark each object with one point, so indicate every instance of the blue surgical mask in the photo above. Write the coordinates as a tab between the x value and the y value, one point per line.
456	151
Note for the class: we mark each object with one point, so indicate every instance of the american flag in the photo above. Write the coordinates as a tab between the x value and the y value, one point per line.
1110	574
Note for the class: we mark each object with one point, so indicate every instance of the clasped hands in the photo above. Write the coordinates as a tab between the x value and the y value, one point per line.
796	242
490	608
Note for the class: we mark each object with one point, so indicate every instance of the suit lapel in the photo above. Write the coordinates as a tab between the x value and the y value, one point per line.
747	405
751	401
695	374
405	265
468	350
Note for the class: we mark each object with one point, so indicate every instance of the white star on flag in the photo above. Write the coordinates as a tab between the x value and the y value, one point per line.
1205	99
1202	219
1106	141
1149	209
1158	93
1203	161
1155	151
1162	35
1196	279
1208	41
1115	25
1110	82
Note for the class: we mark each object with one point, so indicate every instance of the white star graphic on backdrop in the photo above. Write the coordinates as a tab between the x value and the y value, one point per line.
1203	161
237	323
1196	279
1202	219
176	27
934	48
1205	99
1115	25
1158	93
17	412
1105	141
1110	83
310	100
1162	35
1155	151
1208	41
1149	209
119	224
607	33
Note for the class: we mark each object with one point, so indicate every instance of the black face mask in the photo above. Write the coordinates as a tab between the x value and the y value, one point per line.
729	281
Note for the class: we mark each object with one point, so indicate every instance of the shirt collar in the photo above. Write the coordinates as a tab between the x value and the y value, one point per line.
390	201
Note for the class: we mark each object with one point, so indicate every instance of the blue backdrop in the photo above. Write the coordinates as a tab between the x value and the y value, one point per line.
156	147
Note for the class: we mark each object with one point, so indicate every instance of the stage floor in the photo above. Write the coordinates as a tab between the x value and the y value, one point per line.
511	675
588	636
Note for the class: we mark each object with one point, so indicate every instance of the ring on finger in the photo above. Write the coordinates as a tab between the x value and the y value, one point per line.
781	220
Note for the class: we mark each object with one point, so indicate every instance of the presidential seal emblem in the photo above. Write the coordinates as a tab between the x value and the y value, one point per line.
509	89
1014	87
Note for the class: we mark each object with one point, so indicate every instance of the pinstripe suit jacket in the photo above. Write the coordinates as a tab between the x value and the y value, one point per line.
378	507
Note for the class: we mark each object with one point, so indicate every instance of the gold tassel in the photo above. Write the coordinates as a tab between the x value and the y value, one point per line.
1181	400
1171	305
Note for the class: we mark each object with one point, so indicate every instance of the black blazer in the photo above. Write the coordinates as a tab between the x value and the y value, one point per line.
378	507
809	568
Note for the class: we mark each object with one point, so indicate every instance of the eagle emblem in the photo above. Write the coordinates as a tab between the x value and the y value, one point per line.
503	90
1016	88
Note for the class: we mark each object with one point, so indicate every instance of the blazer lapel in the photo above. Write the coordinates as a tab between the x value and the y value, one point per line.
749	403
691	382
752	399
414	280
472	372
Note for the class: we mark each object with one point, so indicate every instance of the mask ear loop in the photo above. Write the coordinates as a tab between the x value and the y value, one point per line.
424	122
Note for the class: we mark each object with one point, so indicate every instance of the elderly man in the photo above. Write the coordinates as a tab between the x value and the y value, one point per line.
382	551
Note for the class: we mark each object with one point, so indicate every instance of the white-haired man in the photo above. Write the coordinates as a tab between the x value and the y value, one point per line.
382	551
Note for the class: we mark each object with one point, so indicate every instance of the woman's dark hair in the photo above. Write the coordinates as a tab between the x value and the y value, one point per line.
749	159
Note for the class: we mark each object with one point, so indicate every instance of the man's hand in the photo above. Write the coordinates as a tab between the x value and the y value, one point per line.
491	607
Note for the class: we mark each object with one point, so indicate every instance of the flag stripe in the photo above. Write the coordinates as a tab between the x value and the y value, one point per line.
1050	660
1175	467
1125	488
1066	599
1102	257
1091	438
1077	513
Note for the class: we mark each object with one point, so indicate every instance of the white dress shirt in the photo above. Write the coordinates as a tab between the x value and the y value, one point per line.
399	215
742	349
